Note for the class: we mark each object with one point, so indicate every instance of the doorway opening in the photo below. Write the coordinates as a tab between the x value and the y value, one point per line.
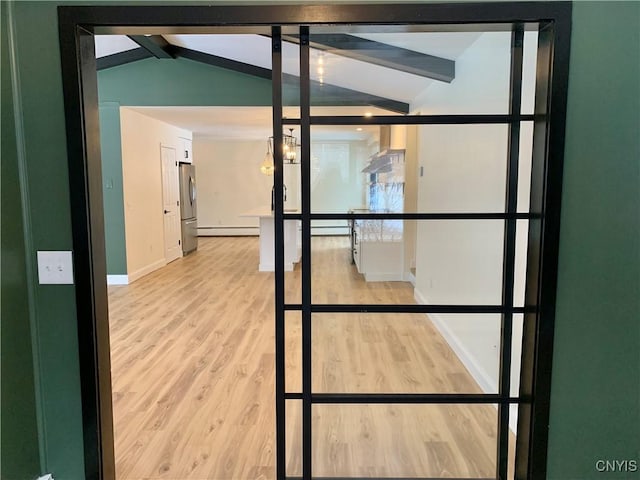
428	235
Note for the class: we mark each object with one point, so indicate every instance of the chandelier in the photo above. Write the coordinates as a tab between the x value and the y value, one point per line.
289	152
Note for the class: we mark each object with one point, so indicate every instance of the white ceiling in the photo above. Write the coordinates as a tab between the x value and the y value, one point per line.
255	122
110	44
337	70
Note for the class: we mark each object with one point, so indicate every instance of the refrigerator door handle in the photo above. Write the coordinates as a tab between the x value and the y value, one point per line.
192	190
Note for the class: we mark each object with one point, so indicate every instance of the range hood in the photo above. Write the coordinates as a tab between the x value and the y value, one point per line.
382	162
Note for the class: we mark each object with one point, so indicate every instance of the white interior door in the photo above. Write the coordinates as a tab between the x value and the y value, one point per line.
170	204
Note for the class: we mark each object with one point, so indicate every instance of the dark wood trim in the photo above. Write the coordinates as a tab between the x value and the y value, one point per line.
321	94
156	45
139	20
382	54
122	58
80	87
552	79
222	62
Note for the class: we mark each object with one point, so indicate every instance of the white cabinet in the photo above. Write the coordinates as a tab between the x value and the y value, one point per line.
186	152
378	249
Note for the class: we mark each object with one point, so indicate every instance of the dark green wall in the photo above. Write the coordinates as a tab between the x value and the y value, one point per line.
595	409
595	397
112	190
153	82
19	456
49	225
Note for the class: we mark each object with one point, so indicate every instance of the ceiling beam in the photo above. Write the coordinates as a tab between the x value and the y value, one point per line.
122	58
156	45
382	54
321	94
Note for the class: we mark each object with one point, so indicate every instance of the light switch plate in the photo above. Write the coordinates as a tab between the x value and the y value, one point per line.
55	267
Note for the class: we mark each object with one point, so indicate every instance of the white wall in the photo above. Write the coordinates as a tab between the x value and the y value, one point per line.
142	185
465	171
229	184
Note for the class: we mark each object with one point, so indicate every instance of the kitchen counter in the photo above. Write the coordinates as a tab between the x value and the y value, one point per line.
292	244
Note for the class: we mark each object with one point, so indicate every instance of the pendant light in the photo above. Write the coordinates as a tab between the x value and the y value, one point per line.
267	166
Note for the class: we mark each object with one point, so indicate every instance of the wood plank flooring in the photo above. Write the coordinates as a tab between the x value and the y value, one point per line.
193	375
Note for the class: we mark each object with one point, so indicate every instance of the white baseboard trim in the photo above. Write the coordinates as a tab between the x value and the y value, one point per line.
409	277
141	272
383	277
479	375
117	279
48	476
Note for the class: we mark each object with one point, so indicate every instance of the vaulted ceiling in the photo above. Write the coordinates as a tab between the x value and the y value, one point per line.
384	72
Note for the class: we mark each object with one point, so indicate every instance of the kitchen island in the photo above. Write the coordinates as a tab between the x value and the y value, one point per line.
292	244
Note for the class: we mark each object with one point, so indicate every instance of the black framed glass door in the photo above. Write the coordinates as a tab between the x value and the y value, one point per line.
375	398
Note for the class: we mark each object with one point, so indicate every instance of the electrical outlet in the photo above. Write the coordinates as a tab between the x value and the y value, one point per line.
55	267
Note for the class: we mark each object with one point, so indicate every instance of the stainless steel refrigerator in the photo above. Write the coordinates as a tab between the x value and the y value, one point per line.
188	208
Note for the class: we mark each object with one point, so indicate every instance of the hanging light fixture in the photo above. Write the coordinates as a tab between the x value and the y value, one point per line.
289	152
267	166
289	147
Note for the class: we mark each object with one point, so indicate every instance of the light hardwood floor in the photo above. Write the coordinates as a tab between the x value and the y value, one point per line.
192	349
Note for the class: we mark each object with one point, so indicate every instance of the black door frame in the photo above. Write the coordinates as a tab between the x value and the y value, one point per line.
77	25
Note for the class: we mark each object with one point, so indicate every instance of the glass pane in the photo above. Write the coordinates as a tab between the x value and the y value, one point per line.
405	353
338	276
432	72
293	351
524	167
462	167
404	262
516	353
529	65
520	272
404	441
513	428
293	263
291	79
293	438
408	168
337	184
293	285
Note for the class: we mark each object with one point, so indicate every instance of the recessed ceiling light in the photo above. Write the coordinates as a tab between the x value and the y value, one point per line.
359	129
368	114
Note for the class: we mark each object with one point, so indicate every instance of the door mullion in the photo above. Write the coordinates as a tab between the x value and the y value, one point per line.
276	59
305	174
509	249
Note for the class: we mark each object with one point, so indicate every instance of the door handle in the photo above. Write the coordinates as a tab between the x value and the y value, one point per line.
167	211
